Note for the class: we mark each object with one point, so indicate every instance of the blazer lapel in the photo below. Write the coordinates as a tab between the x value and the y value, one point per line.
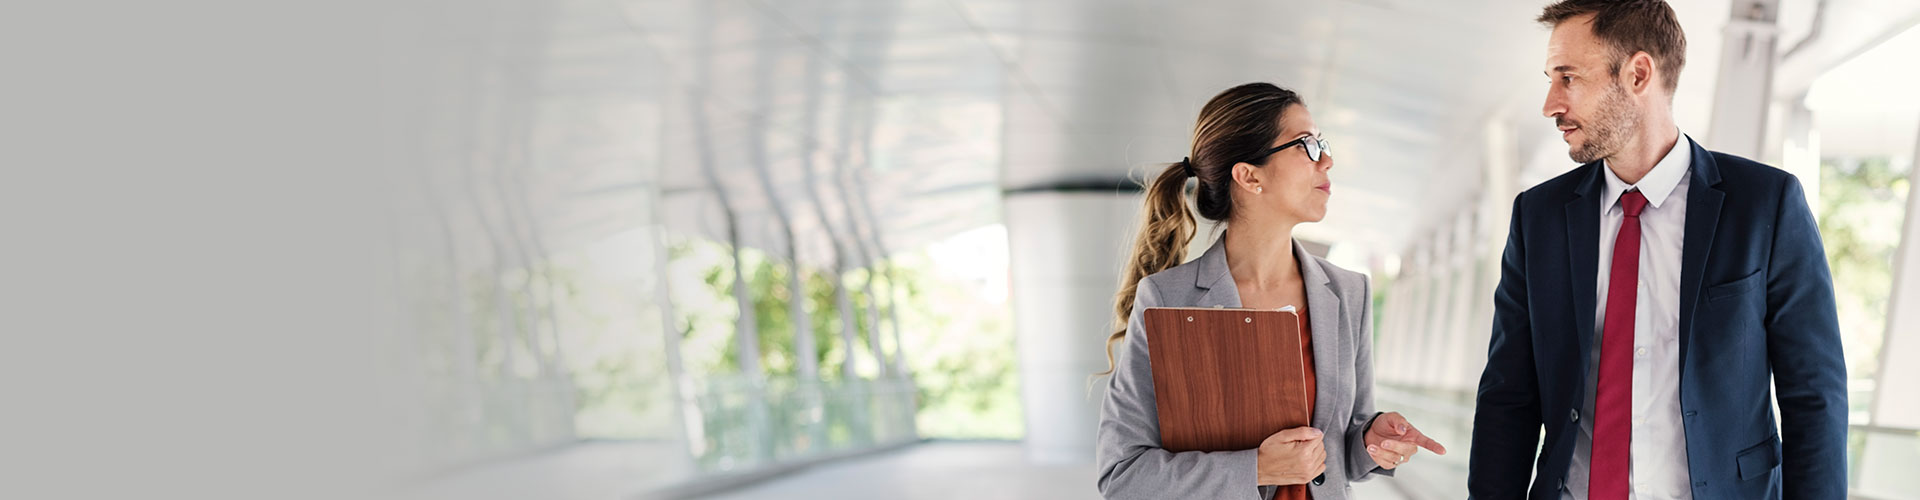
1324	311
1212	276
1583	253
1703	216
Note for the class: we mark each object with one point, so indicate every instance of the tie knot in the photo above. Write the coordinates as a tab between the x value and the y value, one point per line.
1633	202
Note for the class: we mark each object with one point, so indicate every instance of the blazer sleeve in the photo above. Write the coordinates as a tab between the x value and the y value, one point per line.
1360	465
1506	413
1804	349
1132	463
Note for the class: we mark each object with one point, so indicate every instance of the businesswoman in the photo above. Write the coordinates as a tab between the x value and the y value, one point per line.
1261	168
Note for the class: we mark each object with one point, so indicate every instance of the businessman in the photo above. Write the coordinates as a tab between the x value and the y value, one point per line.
1653	301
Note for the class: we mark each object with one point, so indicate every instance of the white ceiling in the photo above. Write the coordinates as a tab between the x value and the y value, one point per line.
907	118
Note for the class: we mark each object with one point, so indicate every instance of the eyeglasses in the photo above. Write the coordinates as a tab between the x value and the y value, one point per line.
1315	147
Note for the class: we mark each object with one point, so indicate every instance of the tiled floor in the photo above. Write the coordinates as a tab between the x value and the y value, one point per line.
952	470
590	470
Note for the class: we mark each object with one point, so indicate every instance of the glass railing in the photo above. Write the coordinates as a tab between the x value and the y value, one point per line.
1447	417
1881	460
743	424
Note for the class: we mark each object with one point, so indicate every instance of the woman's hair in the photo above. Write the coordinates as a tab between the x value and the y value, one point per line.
1233	127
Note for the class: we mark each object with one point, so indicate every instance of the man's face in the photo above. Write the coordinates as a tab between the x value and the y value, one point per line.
1585	98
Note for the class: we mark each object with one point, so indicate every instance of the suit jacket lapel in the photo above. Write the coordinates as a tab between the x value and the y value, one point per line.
1703	216
1583	253
1324	311
1214	279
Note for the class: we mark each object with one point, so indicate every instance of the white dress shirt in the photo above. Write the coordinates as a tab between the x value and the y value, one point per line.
1658	450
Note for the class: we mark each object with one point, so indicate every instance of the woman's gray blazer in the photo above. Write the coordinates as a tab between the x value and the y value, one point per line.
1132	464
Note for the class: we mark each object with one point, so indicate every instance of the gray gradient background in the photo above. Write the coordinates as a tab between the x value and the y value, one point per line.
195	202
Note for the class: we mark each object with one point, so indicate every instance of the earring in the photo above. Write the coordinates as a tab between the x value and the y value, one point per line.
1259	190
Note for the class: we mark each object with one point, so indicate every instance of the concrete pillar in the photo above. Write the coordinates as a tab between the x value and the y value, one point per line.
680	389
1412	300
1423	328
1800	148
1392	342
1405	335
746	328
1894	403
1500	179
1460	291
1067	249
1391	347
1446	262
1745	86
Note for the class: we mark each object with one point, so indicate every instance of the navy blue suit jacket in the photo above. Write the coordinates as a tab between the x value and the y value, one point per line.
1756	315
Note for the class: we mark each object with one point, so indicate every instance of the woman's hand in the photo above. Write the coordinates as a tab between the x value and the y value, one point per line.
1292	456
1391	441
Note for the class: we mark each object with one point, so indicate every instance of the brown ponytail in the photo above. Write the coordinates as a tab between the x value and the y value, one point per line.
1233	127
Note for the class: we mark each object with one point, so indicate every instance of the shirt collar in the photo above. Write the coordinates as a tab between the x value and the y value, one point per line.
1659	182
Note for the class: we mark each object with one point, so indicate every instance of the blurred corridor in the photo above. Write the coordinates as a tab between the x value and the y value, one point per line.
856	249
768	234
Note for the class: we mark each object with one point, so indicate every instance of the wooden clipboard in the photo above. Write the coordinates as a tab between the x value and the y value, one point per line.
1225	379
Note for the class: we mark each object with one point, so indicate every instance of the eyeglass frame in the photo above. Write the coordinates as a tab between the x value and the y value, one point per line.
1316	147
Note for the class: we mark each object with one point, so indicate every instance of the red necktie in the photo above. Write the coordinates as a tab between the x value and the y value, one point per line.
1613	391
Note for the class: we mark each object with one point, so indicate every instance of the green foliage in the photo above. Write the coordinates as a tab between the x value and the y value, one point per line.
770	296
1862	205
961	350
824	313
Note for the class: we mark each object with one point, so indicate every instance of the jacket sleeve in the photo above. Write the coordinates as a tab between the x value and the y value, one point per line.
1804	349
1132	463
1360	465
1506	413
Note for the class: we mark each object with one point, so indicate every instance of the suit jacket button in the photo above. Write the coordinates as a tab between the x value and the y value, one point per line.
1574	415
1320	479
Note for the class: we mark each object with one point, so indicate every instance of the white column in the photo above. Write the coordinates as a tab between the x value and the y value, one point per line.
1413	313
1745	85
1800	149
1413	301
1500	179
1066	252
1425	327
1413	294
1895	403
1391	364
681	391
1438	360
1460	297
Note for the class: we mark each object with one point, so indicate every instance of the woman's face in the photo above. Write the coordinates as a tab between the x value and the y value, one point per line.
1289	185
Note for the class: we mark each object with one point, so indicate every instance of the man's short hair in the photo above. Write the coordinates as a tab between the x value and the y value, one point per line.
1630	26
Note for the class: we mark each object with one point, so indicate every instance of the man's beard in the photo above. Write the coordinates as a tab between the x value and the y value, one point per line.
1608	128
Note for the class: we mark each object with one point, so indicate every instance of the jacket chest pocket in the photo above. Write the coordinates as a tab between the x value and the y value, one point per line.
1735	308
1748	285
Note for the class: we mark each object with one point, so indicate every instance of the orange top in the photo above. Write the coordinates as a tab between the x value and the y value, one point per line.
1299	491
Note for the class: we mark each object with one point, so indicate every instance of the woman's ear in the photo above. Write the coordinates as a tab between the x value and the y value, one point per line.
1246	176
